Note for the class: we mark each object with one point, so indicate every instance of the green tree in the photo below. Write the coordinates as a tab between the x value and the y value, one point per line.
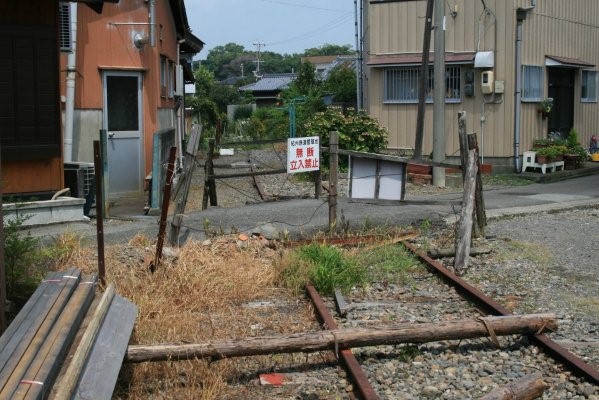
220	60
341	82
306	79
329	50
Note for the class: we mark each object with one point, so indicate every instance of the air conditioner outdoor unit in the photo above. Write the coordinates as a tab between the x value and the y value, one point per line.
80	178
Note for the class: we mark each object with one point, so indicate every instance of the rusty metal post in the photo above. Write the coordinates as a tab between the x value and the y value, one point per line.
99	177
209	184
166	196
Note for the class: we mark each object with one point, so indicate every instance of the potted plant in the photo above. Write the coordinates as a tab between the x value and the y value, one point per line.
575	155
548	154
542	142
545	106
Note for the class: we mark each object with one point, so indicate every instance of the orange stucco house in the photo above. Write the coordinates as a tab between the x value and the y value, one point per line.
129	68
72	69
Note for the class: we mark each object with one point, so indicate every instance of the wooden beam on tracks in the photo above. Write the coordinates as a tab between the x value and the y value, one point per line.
573	362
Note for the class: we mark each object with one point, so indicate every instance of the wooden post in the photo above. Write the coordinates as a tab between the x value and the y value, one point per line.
99	177
333	167
208	171
479	201
317	184
184	183
170	170
463	139
528	387
464	147
336	339
464	233
422	84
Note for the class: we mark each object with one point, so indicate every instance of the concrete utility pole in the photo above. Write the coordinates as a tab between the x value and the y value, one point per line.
423	80
357	17
439	94
258	60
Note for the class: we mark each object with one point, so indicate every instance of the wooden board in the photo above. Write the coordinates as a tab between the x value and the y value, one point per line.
101	371
45	365
38	325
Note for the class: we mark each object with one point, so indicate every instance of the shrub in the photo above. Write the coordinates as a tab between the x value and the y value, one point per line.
357	130
21	253
325	267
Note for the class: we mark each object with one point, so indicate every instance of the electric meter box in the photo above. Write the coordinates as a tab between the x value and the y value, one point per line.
487	82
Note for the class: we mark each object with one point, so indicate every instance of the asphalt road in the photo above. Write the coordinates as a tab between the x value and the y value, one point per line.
301	217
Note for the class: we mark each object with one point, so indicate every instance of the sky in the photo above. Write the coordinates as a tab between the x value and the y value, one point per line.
283	26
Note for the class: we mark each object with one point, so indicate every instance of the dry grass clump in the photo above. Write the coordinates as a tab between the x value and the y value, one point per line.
197	296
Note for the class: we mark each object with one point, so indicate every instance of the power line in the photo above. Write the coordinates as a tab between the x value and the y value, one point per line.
324	28
285	3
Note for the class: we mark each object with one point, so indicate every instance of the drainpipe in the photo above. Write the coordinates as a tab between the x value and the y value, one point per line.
70	89
152	23
181	110
520	17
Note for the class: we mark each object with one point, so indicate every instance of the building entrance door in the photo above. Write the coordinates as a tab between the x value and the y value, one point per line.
122	121
561	89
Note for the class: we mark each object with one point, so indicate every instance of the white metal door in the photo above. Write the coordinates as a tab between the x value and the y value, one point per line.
123	124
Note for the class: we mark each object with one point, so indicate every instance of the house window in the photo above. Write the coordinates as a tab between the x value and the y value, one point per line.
401	85
64	15
589	86
532	83
163	76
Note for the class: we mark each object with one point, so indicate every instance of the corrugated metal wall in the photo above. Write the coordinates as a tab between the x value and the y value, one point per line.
554	27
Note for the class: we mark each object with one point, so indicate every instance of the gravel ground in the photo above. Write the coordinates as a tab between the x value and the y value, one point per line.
538	263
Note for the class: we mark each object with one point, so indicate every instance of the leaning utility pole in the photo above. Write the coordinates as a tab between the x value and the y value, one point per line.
439	95
426	46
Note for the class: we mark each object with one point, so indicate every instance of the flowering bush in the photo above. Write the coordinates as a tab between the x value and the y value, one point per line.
357	131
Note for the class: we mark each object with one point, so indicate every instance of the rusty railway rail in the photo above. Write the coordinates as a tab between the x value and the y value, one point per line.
570	360
354	369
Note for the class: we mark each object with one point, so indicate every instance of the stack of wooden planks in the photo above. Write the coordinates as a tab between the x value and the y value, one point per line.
37	348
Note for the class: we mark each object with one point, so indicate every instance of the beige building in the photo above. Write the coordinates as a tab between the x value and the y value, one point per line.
558	59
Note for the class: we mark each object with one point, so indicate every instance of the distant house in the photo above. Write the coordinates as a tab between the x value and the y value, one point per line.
557	58
323	65
267	88
132	63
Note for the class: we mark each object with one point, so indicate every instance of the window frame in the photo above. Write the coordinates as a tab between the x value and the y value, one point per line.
163	76
583	82
525	98
410	74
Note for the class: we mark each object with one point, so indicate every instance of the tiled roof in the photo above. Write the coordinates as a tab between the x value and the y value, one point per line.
270	82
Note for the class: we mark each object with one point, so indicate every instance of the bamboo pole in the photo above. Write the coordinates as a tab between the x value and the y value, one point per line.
346	338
